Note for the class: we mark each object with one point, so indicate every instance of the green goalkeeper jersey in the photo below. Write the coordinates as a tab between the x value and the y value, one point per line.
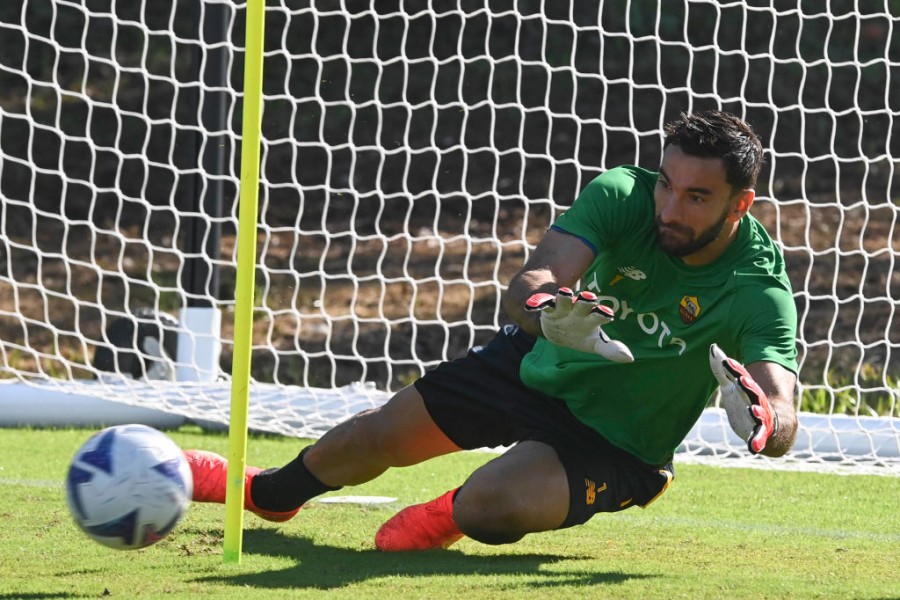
667	313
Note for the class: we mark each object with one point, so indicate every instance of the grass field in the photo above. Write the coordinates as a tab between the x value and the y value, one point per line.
717	533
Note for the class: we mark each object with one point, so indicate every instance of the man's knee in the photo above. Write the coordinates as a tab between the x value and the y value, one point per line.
523	491
490	517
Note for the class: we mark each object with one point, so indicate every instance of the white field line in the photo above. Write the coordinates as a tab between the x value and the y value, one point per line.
43	483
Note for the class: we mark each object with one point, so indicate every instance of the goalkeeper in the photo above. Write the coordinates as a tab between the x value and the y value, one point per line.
651	293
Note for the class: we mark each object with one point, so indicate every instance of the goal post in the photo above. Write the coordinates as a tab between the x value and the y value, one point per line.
411	155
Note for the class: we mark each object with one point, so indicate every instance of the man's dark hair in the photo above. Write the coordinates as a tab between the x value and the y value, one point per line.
716	134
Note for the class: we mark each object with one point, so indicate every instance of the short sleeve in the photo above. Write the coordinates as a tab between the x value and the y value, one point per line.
769	332
610	207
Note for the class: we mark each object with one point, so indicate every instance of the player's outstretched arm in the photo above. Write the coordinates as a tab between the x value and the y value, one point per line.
541	301
759	402
575	321
559	260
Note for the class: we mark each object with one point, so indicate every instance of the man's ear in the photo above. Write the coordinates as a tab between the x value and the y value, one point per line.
743	200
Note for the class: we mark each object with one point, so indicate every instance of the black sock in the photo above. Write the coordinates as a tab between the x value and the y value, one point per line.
287	488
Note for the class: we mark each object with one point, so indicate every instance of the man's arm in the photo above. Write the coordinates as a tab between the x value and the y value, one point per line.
558	261
778	384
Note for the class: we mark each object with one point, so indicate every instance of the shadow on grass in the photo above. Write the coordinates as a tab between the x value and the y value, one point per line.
328	567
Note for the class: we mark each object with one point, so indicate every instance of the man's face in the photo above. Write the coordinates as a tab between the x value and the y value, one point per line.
694	204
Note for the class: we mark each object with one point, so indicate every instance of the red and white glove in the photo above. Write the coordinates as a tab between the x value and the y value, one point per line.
747	406
574	322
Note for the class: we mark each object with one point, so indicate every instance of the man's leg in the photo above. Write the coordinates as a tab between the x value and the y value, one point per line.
523	491
399	433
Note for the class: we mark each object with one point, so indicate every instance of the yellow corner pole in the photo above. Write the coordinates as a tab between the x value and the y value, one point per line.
245	281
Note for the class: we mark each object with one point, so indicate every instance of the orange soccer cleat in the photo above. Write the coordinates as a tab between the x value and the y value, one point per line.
420	527
210	472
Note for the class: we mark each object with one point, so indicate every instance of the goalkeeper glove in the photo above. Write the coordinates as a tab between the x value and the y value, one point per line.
750	414
574	322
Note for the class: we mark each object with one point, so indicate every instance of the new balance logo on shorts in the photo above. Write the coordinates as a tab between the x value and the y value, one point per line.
591	491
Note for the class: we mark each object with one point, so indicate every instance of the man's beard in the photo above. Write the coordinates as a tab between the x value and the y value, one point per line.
694	243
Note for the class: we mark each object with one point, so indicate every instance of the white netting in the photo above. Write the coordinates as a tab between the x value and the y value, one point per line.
413	153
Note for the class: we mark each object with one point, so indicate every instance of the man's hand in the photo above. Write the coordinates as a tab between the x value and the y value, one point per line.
574	322
747	406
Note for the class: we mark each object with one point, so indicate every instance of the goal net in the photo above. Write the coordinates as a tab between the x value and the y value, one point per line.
412	155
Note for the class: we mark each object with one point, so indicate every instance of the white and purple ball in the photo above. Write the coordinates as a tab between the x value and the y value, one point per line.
128	486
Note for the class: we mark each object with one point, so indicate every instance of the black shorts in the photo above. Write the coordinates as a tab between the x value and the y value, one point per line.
479	401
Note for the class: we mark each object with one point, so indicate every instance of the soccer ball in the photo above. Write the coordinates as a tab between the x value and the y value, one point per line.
128	486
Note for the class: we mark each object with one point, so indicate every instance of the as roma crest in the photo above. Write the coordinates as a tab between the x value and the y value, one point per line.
689	309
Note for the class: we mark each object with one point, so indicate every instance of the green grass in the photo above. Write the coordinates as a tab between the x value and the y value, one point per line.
717	533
